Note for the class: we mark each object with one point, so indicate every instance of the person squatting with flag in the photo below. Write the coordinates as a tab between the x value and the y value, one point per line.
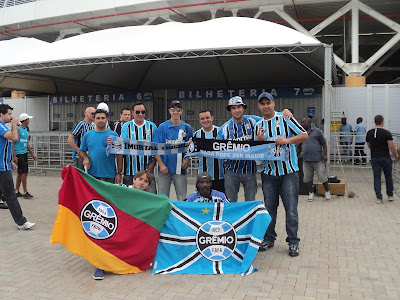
204	192
280	178
141	181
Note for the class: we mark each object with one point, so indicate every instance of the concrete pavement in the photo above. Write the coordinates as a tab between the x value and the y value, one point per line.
350	249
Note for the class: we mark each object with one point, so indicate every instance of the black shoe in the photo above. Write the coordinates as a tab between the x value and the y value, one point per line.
294	250
27	196
19	194
265	245
3	205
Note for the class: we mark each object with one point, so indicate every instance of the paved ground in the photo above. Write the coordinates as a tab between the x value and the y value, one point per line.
350	249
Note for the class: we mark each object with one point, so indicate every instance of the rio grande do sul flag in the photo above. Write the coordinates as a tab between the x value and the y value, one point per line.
211	238
115	228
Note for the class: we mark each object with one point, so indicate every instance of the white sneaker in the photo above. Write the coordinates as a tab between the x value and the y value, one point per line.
328	196
310	197
27	225
390	198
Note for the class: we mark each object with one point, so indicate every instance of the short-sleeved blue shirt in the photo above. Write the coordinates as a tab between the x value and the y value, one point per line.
95	143
6	149
21	146
170	134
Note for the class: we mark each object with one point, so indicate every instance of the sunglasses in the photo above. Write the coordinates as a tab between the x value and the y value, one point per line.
138	112
175	109
92	114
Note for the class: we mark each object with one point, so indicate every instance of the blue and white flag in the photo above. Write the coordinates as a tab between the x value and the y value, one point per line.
133	147
211	238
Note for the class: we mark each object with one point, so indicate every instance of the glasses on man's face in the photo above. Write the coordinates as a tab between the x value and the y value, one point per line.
175	109
138	112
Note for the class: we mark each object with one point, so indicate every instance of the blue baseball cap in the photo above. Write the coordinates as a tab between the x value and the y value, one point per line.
235	101
265	95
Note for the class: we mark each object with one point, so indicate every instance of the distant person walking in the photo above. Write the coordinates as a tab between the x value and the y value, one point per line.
380	140
346	139
360	130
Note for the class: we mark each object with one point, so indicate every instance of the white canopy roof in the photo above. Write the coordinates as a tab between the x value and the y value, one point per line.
219	33
157	56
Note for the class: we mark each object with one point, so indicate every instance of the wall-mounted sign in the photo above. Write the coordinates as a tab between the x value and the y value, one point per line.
70	115
245	93
311	112
56	116
190	112
101	97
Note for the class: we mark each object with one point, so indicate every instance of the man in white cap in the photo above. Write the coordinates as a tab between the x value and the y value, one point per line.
104	106
21	155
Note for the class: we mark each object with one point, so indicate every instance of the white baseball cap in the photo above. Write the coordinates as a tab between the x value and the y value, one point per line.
103	106
24	116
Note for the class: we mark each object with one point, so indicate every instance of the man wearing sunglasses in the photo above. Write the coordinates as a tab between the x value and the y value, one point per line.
172	167
76	136
138	129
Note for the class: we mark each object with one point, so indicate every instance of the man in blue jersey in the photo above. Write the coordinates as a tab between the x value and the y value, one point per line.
77	134
98	164
138	129
280	178
360	131
215	167
6	166
124	117
21	151
172	167
204	191
239	128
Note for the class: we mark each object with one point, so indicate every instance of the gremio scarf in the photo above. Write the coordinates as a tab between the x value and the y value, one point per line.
238	150
219	149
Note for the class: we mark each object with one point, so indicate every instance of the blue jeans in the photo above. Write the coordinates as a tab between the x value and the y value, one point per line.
286	186
378	164
180	184
232	185
8	190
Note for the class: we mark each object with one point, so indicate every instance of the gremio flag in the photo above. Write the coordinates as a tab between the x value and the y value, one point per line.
211	238
115	228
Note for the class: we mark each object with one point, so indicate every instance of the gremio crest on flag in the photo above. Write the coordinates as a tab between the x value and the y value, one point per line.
99	220
216	240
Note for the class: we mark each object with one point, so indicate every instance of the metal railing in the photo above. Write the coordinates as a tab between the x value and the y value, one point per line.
53	152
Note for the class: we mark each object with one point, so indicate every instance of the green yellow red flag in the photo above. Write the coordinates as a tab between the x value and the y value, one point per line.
115	228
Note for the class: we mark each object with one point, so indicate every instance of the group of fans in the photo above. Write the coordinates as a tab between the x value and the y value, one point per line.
279	178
